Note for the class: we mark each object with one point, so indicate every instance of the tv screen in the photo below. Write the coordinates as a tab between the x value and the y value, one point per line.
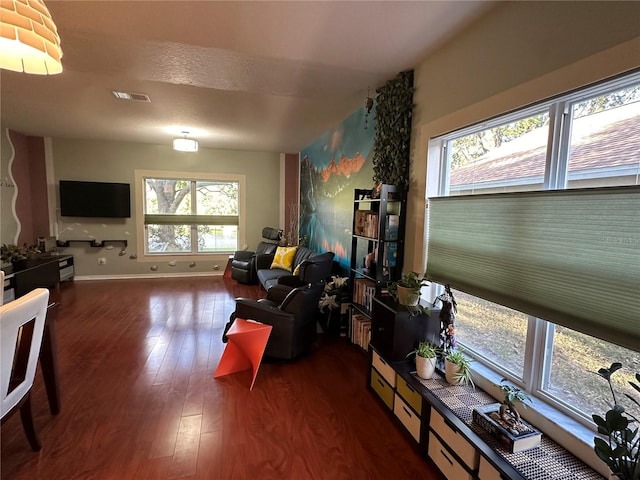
94	199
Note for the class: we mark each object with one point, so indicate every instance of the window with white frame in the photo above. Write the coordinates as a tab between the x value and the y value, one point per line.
190	213
589	138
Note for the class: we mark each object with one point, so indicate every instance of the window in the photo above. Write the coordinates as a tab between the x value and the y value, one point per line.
190	215
585	139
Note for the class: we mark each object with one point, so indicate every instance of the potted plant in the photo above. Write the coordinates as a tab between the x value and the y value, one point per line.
620	447
407	290
504	422
512	395
426	354
14	254
457	368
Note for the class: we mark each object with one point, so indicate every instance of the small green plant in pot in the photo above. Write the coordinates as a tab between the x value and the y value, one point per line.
426	355
512	396
14	254
457	368
407	290
619	443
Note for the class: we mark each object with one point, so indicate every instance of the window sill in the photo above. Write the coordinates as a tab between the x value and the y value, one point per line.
567	432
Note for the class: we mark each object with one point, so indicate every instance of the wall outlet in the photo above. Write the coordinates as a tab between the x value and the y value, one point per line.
102	261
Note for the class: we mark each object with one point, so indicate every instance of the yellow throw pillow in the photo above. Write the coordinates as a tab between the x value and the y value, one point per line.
284	257
296	271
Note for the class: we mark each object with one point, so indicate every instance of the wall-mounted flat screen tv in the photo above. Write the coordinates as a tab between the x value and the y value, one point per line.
94	199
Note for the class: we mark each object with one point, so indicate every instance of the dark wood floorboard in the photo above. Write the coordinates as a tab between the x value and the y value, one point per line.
139	401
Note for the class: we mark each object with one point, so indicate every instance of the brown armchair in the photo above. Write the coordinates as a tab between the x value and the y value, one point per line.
243	265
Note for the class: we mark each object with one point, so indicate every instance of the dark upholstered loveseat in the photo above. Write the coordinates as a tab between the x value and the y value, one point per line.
314	267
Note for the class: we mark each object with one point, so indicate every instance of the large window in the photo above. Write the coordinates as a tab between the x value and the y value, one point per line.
585	139
190	215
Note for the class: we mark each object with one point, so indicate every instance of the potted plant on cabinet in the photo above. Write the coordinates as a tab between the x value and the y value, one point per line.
620	447
504	422
426	354
512	396
457	368
407	290
15	255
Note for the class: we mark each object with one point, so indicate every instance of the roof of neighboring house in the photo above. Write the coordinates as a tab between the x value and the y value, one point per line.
599	141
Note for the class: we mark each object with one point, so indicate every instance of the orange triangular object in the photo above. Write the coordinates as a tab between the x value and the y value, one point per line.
247	340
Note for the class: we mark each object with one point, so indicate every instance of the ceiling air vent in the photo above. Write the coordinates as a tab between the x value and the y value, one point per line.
140	97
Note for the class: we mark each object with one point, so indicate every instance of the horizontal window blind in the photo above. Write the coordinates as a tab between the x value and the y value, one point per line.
167	219
571	257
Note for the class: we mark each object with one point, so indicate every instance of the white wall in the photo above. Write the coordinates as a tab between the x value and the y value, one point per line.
117	161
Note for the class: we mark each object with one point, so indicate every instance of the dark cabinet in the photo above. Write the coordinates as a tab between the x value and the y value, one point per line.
395	331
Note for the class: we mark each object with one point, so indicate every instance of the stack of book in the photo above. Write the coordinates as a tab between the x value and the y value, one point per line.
360	330
363	292
366	223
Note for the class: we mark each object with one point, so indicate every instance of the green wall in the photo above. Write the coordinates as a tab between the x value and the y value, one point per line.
117	161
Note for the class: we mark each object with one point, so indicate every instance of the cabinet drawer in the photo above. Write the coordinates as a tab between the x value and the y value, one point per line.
467	453
408	417
382	388
409	395
384	368
445	461
488	471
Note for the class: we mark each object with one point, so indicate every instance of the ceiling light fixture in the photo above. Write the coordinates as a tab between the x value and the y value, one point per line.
185	144
29	40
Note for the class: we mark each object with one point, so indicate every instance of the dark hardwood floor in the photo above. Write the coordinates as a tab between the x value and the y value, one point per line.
139	401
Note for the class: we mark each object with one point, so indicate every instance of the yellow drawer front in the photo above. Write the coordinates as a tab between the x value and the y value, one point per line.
382	388
467	452
409	395
408	417
384	368
447	464
488	471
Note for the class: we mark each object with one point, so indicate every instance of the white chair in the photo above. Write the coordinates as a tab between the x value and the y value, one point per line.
21	330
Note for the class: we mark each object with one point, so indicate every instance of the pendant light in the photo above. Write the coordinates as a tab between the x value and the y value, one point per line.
29	40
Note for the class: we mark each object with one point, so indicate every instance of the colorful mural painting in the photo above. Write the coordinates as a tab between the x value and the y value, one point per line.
331	168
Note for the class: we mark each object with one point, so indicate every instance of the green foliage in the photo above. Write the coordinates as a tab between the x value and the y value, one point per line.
14	253
513	394
411	280
415	282
471	147
425	349
464	374
621	449
391	142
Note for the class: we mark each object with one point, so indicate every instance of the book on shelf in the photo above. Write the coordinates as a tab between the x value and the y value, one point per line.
361	223
513	443
392	224
390	254
363	292
361	330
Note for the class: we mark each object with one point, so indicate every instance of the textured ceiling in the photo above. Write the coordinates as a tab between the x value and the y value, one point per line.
268	76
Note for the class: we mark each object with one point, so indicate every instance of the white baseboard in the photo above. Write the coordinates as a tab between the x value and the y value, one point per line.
132	276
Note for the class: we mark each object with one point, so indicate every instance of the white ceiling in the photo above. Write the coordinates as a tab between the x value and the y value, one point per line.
266	76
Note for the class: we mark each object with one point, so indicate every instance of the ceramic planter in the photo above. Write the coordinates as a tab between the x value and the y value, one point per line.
408	296
450	372
425	367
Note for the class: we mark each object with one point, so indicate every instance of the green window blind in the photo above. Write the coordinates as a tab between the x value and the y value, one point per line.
571	257
168	219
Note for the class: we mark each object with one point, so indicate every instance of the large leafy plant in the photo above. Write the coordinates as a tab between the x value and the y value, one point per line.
391	143
620	447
